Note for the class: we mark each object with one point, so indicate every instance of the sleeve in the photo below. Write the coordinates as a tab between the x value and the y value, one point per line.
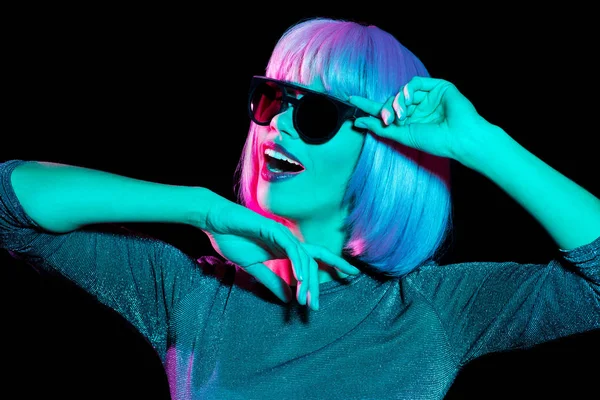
488	307
141	278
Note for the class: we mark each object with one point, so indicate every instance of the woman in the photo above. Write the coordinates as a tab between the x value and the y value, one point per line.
346	164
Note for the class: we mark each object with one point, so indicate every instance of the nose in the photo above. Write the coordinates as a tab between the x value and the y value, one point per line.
283	122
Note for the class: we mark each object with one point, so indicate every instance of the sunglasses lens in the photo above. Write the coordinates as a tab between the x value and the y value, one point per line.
316	117
266	102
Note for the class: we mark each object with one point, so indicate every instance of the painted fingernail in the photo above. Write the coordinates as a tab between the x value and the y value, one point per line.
386	115
406	95
396	105
298	274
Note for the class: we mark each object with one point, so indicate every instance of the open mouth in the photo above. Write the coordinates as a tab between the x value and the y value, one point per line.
282	166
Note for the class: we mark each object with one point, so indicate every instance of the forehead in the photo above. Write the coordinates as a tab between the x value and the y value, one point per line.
316	85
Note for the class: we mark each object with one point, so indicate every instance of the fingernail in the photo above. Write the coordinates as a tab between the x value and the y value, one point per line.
360	124
406	95
386	115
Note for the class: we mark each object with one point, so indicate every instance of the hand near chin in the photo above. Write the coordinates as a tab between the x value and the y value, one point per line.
249	239
427	114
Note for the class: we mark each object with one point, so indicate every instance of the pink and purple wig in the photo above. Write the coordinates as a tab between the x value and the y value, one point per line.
398	198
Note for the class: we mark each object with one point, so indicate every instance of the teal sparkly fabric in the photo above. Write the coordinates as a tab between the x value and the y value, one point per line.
221	335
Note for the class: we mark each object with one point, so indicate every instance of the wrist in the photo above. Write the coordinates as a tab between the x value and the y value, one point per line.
488	141
196	211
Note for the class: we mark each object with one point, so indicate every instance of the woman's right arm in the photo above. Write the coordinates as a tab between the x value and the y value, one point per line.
42	205
61	198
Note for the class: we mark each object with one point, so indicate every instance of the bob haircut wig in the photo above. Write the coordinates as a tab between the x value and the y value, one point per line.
398	198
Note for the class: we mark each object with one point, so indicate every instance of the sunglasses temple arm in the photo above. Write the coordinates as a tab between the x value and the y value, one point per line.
358	113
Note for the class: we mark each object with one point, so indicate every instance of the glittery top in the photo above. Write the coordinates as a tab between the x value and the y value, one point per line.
220	334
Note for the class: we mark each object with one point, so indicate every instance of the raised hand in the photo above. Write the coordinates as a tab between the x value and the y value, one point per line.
427	114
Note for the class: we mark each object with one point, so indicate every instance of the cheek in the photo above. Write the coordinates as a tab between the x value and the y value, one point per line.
338	157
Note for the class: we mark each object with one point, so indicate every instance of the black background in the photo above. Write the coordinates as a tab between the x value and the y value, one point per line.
160	94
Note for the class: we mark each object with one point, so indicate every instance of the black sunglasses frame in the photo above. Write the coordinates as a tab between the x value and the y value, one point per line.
345	110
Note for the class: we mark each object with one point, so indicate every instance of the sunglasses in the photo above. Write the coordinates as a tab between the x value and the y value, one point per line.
317	116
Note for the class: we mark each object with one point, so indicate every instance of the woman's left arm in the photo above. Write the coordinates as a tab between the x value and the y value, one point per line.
431	115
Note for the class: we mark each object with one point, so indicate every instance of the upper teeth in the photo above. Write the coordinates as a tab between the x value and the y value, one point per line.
279	156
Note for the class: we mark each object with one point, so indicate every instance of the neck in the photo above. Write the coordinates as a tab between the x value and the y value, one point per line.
328	234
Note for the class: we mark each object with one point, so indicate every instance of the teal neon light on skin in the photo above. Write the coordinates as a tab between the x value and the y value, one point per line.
219	336
429	115
312	200
432	115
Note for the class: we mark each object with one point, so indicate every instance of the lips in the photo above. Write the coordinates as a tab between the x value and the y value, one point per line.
282	150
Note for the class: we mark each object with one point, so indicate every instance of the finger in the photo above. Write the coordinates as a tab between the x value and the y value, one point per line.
300	292
301	261
313	292
399	107
416	98
302	289
271	281
398	133
387	113
406	101
423	83
410	110
308	278
306	261
367	105
420	87
294	252
324	255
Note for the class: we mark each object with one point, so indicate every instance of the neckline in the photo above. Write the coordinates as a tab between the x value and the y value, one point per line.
339	283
